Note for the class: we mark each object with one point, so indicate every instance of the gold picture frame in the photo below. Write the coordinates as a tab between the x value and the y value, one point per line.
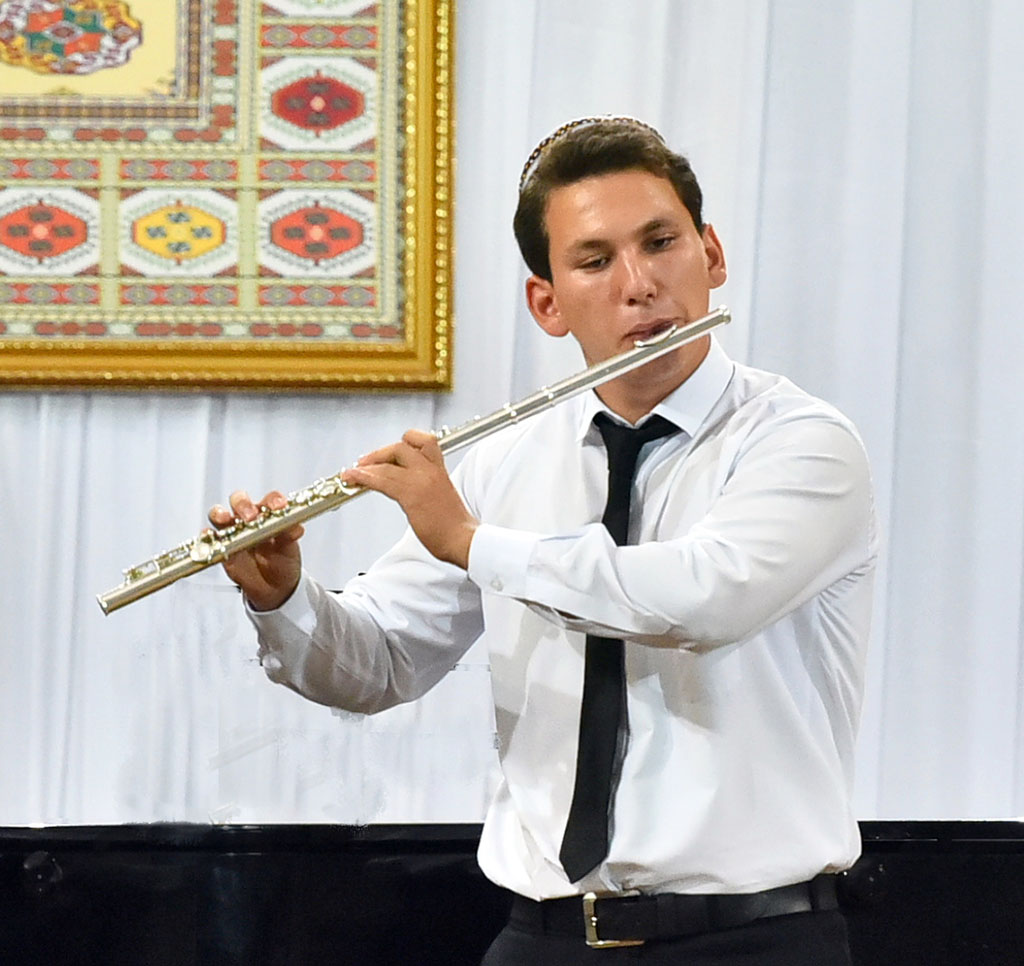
100	314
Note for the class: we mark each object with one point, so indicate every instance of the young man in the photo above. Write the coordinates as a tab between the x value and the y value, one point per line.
677	674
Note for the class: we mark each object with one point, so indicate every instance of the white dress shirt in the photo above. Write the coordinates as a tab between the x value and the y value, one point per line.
744	601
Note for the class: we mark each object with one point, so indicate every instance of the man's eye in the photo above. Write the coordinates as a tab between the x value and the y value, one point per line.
594	263
662	241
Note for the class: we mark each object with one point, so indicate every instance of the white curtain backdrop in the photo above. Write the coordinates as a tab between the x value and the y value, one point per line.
863	163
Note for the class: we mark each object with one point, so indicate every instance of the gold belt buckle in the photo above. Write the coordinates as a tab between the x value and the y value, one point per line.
590	921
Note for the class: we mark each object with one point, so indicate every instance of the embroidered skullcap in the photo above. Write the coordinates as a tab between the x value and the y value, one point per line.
535	155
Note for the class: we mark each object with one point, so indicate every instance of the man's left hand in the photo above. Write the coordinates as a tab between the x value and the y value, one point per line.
413	474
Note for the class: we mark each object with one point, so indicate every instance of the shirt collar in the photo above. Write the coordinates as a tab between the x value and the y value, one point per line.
687	406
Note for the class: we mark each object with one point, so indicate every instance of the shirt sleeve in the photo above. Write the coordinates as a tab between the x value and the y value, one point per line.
793	516
388	638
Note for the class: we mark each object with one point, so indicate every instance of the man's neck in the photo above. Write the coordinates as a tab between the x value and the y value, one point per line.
633	395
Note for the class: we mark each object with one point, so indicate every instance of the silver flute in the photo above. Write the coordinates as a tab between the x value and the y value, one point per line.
214	546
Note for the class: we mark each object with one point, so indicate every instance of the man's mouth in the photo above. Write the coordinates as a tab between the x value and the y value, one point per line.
641	333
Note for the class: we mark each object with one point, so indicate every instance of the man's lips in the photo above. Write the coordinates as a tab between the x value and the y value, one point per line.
649	330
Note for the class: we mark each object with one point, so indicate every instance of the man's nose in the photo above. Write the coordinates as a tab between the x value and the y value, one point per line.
636	279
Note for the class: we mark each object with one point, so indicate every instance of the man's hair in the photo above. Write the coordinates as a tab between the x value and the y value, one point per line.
582	149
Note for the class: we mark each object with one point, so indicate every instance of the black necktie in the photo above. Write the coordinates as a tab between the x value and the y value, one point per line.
585	842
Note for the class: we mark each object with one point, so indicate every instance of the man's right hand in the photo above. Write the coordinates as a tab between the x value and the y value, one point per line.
269	572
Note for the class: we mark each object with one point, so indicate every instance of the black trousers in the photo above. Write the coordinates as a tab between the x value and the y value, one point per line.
801	939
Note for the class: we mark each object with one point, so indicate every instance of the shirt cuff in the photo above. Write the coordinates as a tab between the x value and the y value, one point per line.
297	609
499	559
284	633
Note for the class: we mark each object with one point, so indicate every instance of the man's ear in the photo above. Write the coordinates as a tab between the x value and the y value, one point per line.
714	256
543	306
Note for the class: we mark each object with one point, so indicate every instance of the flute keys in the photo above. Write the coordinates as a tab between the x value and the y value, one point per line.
204	548
331	486
140	570
348	489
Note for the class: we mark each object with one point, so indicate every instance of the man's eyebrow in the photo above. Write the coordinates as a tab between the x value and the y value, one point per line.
657	224
585	245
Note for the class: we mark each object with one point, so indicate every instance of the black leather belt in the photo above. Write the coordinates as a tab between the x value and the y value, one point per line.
630	919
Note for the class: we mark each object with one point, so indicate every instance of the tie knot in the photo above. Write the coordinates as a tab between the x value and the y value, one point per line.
621	440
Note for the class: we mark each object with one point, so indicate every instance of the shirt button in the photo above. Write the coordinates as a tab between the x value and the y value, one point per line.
496	584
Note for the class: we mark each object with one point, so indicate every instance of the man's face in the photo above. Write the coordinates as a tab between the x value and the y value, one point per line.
626	262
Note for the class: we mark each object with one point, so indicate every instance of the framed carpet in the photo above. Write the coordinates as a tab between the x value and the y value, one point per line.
225	193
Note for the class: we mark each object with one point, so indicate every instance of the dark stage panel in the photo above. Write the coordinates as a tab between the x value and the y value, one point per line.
935	893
